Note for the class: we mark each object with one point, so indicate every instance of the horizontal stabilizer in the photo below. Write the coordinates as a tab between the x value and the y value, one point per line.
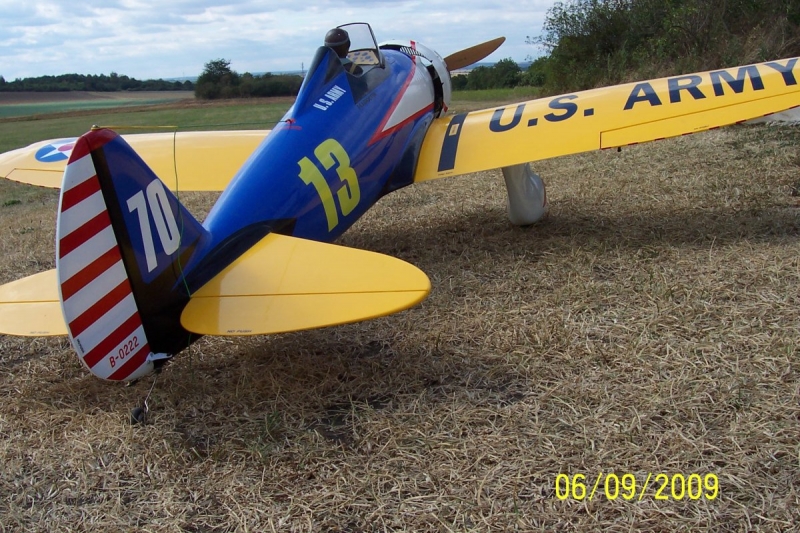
287	284
205	161
30	307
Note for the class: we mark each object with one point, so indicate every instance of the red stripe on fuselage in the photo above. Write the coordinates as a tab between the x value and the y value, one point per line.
410	119
380	134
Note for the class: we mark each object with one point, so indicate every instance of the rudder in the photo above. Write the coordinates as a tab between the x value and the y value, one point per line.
121	239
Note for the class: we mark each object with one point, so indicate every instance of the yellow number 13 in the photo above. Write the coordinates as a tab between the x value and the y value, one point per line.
329	153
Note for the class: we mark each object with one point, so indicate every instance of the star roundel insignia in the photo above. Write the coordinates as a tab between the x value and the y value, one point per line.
55	151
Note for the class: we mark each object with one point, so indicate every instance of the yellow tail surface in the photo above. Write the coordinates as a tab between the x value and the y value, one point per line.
288	284
30	307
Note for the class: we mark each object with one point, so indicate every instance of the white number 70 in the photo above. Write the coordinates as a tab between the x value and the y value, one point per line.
164	218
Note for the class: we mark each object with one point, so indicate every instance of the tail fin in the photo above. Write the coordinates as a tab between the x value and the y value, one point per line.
121	239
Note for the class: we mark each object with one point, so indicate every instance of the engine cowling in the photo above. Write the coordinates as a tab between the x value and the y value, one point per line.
435	65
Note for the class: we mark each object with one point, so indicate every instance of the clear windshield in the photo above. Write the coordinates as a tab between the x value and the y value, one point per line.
363	47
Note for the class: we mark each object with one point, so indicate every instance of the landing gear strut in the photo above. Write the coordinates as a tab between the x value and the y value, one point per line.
527	199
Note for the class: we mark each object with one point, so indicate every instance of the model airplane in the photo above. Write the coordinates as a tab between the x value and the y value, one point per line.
138	279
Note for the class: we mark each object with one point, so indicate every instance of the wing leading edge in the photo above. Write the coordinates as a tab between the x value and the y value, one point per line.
606	118
204	161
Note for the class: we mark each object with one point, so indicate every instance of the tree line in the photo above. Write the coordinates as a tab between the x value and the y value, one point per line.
504	73
218	80
593	43
100	83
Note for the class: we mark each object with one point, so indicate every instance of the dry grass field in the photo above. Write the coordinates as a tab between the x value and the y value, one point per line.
649	325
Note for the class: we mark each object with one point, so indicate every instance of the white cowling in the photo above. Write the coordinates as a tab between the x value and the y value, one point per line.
527	199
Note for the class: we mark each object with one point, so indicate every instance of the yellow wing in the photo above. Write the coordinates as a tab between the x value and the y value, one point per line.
281	284
30	307
287	284
606	118
205	161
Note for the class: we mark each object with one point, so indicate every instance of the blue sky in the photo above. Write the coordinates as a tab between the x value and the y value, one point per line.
162	39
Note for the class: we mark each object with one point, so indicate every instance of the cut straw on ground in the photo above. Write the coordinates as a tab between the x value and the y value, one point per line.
649	325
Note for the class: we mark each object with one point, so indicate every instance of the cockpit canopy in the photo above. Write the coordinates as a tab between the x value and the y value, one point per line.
363	46
365	62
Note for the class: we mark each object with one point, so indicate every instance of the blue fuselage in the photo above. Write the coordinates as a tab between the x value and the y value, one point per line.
329	159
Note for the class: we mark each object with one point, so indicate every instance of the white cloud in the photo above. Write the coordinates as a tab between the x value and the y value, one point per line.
150	39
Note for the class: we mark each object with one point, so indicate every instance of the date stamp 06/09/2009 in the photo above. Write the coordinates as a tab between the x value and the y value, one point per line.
659	487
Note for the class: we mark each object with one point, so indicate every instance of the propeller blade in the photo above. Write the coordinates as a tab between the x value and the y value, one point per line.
473	54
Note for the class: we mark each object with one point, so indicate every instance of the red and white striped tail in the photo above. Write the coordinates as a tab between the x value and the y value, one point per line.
102	317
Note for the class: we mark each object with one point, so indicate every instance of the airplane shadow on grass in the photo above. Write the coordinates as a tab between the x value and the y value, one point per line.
487	230
321	379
